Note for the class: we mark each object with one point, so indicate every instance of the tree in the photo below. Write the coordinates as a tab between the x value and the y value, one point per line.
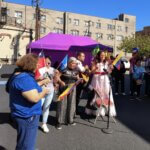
140	41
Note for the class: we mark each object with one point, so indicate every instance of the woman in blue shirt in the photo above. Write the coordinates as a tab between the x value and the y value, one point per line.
25	101
138	75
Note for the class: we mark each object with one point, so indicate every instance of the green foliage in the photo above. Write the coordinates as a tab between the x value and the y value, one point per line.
142	42
95	51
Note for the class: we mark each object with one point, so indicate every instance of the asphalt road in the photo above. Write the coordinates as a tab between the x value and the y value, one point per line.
131	132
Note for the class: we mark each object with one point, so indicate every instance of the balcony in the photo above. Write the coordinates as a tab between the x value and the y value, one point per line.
15	22
3	16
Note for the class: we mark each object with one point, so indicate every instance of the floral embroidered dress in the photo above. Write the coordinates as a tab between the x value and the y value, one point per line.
100	84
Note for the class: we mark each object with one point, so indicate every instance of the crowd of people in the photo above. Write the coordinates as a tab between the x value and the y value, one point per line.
31	97
139	71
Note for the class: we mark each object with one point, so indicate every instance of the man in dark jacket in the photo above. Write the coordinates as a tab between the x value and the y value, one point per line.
119	74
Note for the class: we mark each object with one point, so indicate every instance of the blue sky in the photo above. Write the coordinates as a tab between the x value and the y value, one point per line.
100	8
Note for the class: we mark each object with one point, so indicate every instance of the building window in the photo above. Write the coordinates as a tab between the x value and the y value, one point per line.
69	20
126	29
34	16
43	18
74	32
110	27
98	25
58	30
110	36
119	28
42	30
76	22
8	12
18	16
99	35
126	20
59	20
119	37
87	33
92	23
86	23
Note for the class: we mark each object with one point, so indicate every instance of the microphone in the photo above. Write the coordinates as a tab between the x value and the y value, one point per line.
105	70
47	75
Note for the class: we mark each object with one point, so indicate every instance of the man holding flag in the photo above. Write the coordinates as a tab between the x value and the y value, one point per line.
82	69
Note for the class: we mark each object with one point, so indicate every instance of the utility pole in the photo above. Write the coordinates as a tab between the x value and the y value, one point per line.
0	11
31	35
64	22
37	19
3	14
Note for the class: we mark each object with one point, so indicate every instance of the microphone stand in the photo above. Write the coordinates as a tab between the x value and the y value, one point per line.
108	130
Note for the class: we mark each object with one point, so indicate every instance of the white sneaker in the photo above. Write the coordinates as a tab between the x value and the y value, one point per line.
45	128
116	93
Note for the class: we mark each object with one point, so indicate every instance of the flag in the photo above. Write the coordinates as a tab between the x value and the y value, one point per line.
117	61
118	64
41	65
85	77
63	63
96	51
68	90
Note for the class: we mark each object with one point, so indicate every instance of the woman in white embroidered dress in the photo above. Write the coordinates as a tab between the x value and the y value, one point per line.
100	89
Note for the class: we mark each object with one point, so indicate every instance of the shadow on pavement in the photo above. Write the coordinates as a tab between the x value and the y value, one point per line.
2	148
88	125
5	118
52	120
134	115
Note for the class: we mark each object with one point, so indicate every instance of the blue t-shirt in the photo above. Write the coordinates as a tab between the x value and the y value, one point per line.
19	105
138	72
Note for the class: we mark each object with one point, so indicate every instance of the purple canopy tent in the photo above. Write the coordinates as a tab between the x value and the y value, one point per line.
58	45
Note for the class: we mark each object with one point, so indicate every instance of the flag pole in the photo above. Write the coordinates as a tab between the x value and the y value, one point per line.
30	50
108	129
44	55
60	63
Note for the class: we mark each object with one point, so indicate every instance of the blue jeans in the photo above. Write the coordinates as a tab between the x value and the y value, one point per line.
26	132
46	105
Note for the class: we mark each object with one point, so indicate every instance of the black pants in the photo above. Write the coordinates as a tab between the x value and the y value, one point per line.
121	81
138	90
132	84
78	94
147	84
135	88
91	95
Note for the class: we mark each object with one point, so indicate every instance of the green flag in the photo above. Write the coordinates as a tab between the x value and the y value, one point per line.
95	51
